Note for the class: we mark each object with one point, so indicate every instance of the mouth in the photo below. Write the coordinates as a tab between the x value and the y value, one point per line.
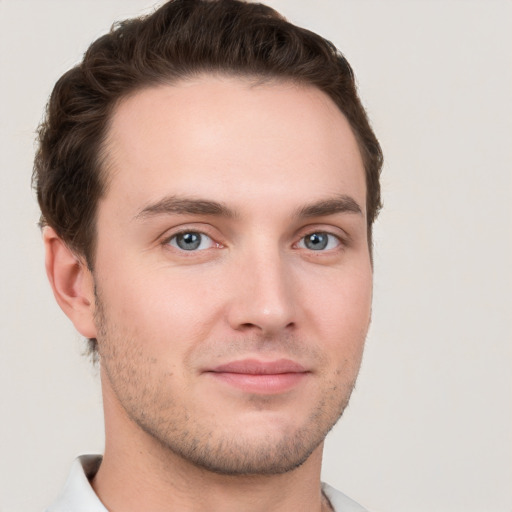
260	377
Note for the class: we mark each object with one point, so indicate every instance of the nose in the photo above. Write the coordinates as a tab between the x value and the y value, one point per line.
264	296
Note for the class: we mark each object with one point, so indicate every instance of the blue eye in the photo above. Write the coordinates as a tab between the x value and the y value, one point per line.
191	241
319	241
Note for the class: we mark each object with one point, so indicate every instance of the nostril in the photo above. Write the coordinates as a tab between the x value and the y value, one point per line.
265	328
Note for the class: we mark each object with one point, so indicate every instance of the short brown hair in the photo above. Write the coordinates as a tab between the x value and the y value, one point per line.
181	39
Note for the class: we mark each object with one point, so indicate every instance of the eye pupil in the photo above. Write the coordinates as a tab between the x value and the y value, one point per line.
316	241
188	241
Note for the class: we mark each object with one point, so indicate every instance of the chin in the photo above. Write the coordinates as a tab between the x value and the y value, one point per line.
269	447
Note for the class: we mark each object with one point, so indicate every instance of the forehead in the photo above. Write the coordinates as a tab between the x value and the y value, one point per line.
230	136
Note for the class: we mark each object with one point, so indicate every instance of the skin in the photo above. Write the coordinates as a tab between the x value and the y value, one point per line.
253	172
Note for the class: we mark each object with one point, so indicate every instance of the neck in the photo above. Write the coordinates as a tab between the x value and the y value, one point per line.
138	473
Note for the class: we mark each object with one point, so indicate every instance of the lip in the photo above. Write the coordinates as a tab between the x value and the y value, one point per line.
260	377
257	367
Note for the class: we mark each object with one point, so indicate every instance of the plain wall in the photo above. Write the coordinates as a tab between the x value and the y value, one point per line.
430	423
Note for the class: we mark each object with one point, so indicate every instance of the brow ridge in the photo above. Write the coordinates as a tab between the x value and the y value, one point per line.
183	206
190	206
339	204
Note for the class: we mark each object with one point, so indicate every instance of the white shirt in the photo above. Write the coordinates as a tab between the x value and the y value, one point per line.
79	496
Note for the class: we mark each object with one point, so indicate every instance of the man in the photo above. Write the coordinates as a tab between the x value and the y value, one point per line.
208	181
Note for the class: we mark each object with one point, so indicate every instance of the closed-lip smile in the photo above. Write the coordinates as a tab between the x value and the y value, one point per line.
260	377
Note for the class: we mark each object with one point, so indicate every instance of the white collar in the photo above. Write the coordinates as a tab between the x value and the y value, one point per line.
78	495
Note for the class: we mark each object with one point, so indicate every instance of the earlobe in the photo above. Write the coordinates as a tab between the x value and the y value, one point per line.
71	281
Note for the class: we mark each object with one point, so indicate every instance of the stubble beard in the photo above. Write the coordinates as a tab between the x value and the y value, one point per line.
149	404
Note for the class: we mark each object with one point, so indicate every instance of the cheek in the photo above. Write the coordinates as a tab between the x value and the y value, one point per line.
157	306
341	311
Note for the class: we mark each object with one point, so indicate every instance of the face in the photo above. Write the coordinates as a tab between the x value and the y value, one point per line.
232	272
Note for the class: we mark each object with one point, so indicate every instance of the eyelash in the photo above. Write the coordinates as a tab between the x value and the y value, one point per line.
340	242
168	241
319	234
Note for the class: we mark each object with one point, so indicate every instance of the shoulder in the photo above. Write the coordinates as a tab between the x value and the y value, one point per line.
340	502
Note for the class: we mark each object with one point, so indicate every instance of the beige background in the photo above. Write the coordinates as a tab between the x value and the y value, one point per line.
429	427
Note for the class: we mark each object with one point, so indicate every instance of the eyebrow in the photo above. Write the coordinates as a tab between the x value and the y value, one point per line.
339	204
188	206
183	206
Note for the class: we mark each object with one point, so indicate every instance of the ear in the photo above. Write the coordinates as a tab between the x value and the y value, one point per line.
71	281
